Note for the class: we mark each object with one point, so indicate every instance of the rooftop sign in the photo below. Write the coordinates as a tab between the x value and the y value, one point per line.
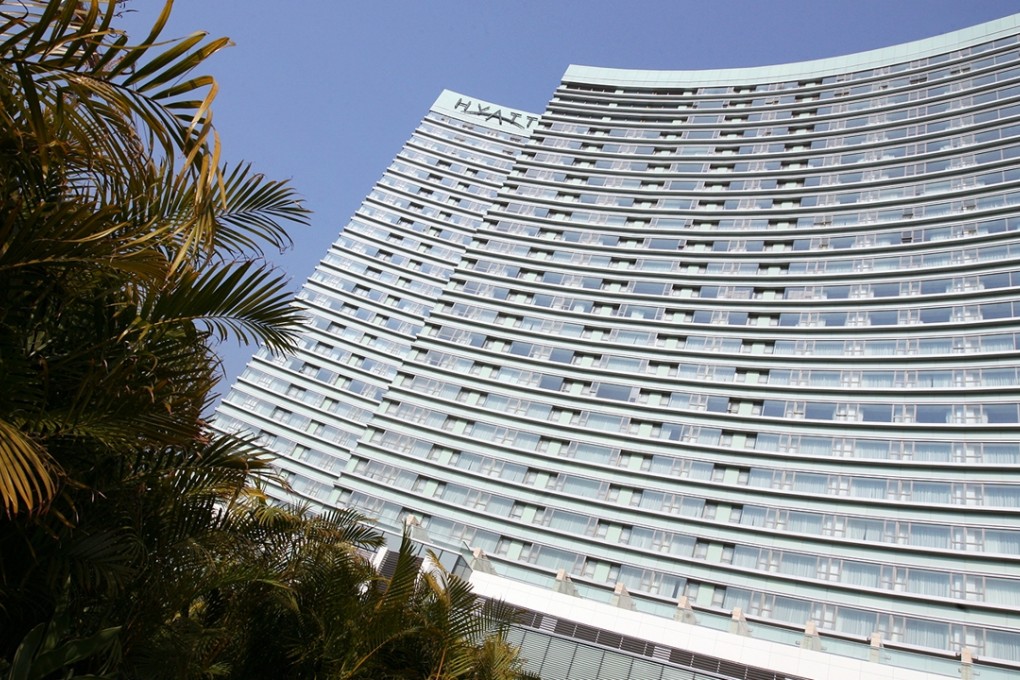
488	114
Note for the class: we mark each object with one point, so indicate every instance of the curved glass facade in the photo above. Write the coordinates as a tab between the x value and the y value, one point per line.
735	339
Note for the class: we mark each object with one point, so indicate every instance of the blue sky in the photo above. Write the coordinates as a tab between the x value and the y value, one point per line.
324	93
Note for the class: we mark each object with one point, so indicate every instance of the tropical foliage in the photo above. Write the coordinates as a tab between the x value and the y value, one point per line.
135	542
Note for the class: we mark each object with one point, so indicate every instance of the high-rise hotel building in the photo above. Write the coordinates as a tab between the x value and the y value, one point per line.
716	372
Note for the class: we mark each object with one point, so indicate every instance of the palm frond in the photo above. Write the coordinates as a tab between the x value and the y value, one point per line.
248	301
47	43
47	237
249	210
28	475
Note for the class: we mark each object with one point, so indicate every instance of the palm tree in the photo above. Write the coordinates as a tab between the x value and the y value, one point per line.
126	250
424	622
255	595
125	243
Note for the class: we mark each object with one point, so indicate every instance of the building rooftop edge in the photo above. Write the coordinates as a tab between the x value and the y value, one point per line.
916	49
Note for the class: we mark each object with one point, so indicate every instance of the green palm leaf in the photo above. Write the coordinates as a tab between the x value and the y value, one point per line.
248	301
